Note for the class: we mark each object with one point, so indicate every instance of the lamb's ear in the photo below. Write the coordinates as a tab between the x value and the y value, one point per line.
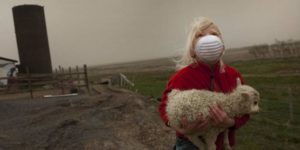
173	92
238	82
245	95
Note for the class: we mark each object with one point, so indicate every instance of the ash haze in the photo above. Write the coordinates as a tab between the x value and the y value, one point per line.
96	32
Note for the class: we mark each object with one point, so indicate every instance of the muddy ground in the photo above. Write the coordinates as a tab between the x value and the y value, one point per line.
107	120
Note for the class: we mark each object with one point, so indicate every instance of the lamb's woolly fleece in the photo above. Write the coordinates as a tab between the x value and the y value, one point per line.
192	103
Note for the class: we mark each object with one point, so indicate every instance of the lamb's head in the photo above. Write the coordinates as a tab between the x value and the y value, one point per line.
250	99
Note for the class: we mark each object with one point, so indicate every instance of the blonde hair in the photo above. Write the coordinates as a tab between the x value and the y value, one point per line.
197	27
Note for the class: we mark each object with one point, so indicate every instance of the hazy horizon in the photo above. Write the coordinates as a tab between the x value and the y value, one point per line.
98	32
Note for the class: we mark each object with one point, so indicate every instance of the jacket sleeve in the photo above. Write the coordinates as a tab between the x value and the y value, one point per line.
163	105
240	121
164	101
174	82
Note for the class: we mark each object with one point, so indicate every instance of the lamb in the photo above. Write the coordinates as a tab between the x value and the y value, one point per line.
190	103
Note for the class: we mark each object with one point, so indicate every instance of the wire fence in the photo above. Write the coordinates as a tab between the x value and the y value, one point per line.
282	108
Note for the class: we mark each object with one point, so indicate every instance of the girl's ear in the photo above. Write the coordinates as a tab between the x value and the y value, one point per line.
193	53
173	93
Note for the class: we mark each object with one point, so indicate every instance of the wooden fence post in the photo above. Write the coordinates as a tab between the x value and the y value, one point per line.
60	69
70	81
78	77
62	78
70	73
86	78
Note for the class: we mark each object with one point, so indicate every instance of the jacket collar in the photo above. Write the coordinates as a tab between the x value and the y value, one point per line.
206	67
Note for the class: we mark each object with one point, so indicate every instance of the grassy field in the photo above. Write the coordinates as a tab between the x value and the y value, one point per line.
277	126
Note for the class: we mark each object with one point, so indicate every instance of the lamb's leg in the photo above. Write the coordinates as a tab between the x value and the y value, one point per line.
210	139
226	141
197	141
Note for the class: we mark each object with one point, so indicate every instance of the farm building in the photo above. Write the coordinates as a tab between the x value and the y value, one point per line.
7	69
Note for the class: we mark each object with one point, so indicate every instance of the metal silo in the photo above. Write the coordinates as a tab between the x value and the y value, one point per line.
32	40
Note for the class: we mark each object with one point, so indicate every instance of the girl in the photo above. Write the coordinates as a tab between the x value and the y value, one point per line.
201	67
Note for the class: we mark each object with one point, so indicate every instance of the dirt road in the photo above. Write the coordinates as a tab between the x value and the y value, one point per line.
110	120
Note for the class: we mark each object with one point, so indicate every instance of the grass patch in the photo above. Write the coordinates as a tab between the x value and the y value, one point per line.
268	66
150	84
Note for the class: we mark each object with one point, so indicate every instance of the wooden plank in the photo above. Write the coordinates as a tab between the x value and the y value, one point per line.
63	95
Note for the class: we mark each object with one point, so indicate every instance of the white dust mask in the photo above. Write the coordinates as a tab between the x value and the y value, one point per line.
209	49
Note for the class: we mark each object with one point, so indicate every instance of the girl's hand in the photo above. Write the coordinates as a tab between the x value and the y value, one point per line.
220	117
190	127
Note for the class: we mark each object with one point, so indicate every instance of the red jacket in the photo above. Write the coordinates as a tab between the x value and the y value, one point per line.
200	76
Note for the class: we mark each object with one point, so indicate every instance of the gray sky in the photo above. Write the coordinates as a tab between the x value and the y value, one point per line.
111	31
